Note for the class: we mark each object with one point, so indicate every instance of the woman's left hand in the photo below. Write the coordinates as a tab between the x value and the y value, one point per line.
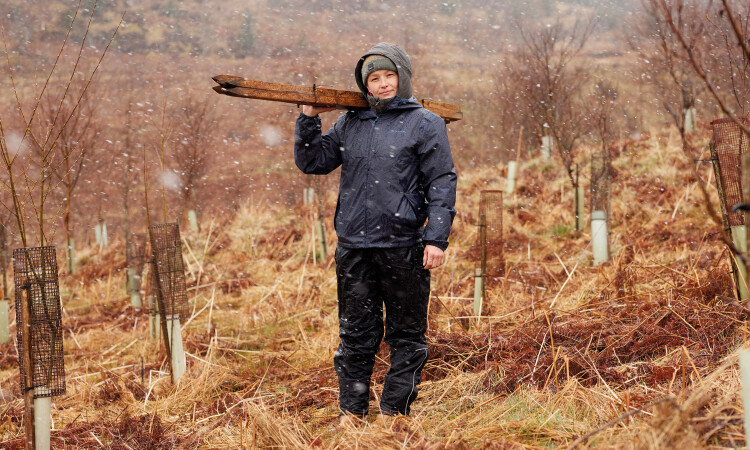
433	257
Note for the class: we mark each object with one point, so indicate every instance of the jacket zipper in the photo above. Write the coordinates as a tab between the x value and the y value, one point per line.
371	149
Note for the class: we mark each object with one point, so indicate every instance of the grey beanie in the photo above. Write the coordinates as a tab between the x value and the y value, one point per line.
376	62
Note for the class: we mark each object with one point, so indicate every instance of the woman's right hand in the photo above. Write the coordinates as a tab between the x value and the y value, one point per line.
312	111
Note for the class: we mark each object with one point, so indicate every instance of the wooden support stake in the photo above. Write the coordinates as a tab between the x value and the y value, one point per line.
684	370
321	225
28	370
580	215
71	254
518	148
322	239
312	237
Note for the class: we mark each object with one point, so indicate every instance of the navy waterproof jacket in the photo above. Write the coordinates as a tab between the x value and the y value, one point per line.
396	173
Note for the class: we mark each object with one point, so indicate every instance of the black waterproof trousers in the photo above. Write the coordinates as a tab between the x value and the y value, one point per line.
369	278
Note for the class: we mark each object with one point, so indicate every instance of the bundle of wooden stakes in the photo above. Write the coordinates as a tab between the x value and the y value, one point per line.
315	95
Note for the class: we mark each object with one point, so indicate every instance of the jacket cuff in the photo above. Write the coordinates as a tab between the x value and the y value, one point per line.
442	245
308	124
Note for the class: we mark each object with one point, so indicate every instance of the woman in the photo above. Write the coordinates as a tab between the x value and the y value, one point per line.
396	173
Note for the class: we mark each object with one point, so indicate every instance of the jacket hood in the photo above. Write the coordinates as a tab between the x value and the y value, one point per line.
399	57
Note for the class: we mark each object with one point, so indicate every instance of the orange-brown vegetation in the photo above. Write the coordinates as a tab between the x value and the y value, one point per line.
640	351
656	322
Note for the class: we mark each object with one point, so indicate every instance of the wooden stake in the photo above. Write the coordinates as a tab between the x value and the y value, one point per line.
312	237
578	203
627	400
518	148
322	239
321	225
109	284
684	375
552	347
